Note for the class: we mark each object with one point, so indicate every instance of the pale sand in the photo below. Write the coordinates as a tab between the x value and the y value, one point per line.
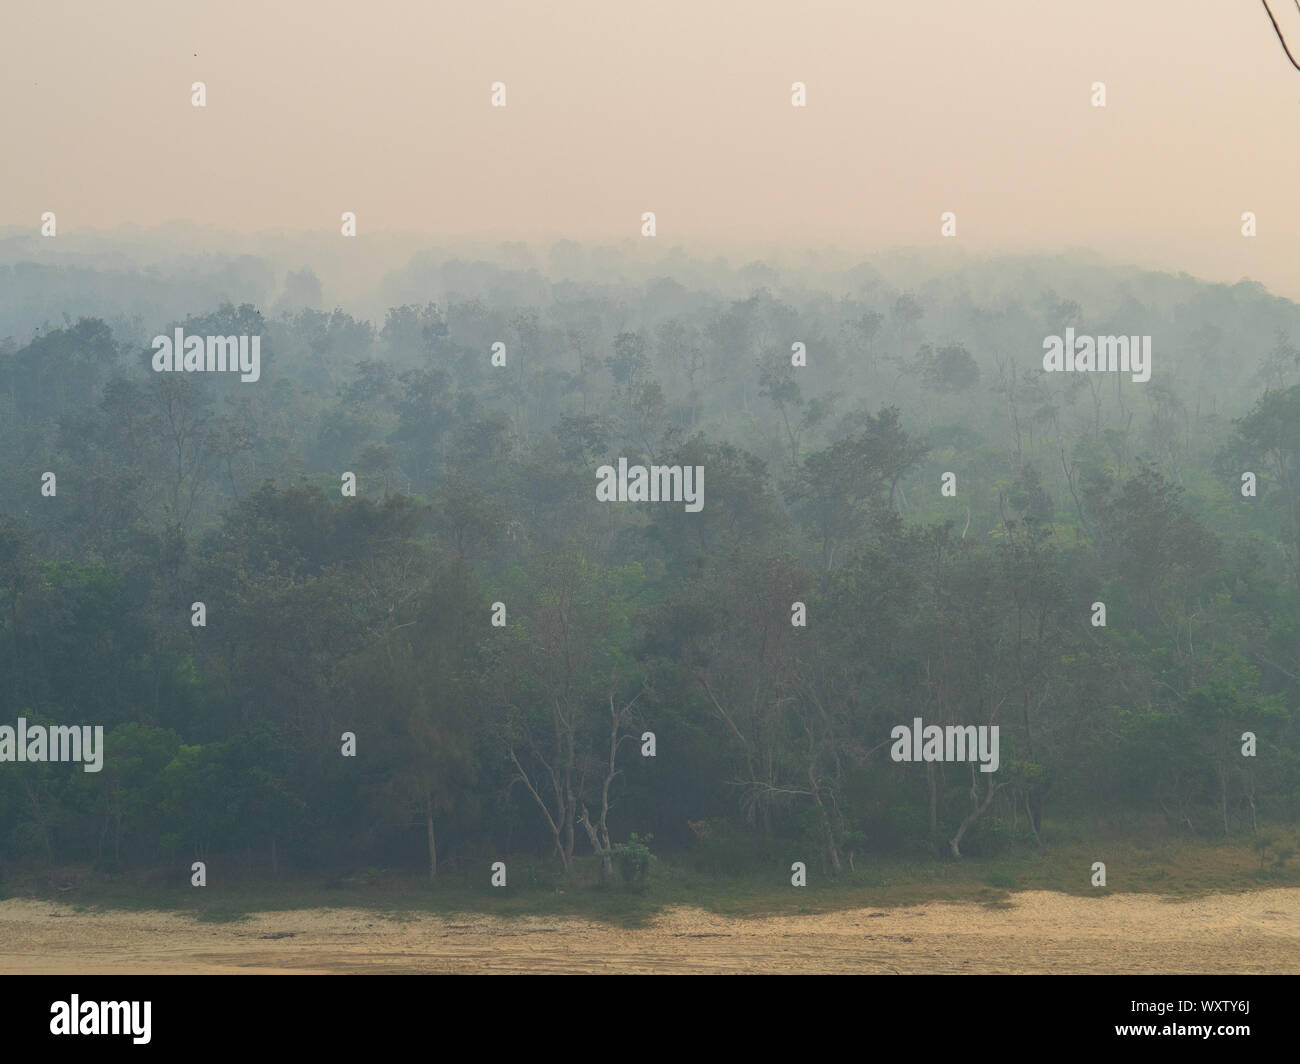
1256	932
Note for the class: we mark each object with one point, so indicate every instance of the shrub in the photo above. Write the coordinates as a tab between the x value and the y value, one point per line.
632	858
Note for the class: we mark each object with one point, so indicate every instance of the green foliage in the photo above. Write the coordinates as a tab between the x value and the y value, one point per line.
371	615
632	859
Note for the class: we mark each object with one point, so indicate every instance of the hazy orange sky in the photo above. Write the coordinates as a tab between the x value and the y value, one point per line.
678	106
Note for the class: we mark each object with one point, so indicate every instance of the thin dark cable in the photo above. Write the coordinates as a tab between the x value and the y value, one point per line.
1279	32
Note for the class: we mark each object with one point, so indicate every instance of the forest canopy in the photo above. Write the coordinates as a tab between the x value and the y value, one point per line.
499	642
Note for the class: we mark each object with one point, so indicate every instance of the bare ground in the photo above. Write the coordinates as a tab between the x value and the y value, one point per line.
1255	932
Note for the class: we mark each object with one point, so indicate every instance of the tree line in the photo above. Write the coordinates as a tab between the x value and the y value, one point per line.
374	615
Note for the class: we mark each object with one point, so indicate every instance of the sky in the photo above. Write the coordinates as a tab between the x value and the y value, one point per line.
680	107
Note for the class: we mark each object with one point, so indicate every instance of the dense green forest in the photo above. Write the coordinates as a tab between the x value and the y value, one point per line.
476	501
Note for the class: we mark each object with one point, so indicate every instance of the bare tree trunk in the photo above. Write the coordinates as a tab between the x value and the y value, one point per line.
598	833
569	817
832	850
428	830
934	800
557	830
1036	799
601	848
1223	797
38	814
1029	815
976	812
1250	797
